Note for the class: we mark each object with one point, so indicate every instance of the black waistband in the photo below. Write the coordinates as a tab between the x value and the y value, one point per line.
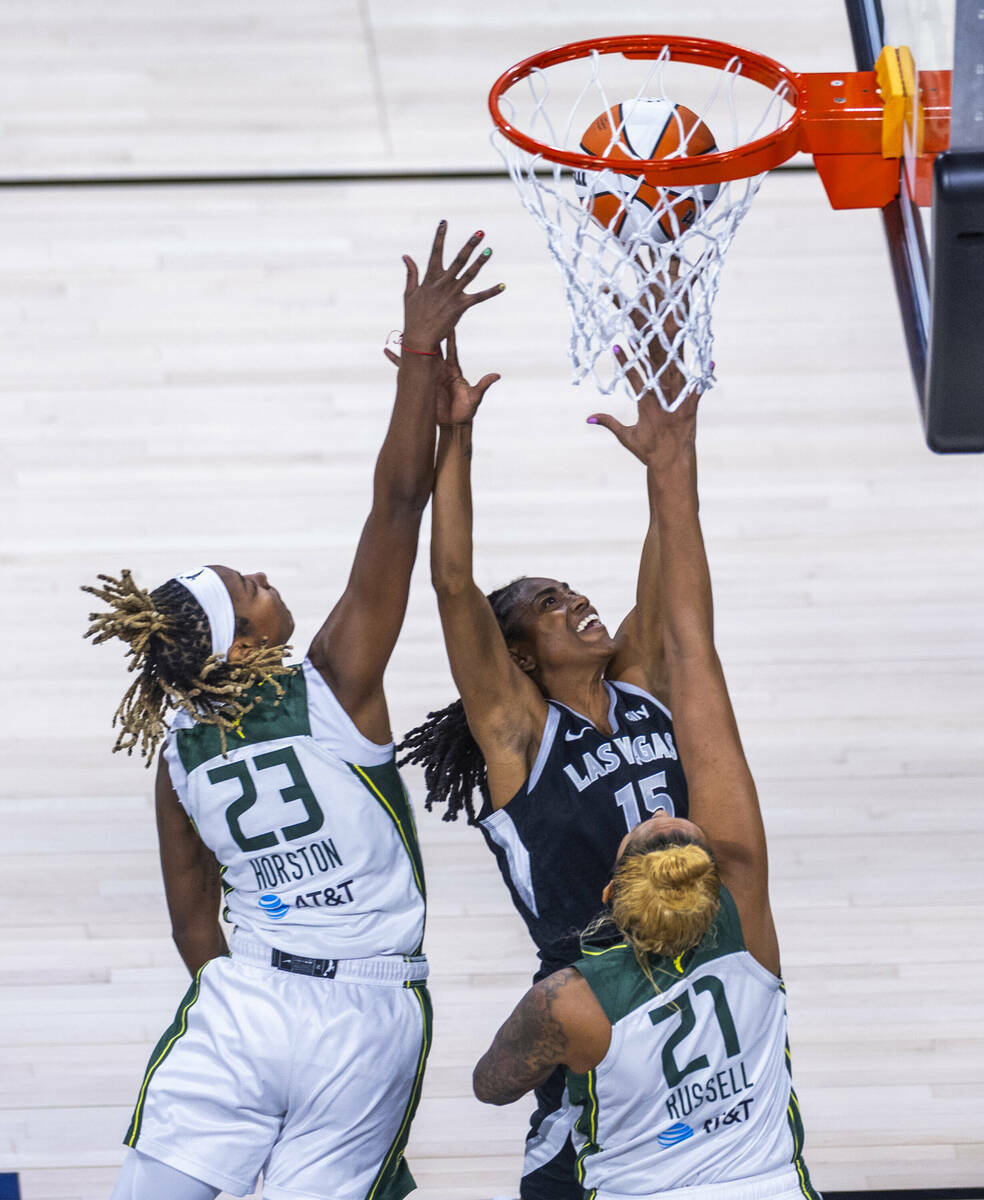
321	968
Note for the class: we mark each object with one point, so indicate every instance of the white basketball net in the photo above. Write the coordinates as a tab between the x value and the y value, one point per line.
649	295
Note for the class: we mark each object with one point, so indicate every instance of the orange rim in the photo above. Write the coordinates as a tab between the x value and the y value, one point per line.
750	159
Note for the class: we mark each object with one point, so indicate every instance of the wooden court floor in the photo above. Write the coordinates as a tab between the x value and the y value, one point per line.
196	374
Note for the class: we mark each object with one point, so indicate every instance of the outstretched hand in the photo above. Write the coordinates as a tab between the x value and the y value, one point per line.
457	399
656	434
657	438
432	306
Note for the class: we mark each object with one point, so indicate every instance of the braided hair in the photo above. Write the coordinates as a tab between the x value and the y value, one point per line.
443	745
170	649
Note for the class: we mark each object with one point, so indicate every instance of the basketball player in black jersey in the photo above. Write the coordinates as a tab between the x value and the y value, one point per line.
567	738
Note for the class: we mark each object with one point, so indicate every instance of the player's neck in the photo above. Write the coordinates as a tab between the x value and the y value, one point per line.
585	694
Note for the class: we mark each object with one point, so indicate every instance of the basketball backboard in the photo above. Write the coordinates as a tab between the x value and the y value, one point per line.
938	251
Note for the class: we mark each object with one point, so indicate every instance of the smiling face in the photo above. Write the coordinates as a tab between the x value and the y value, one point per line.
261	615
560	627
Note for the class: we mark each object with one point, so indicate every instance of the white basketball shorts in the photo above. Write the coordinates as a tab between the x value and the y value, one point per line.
312	1081
778	1185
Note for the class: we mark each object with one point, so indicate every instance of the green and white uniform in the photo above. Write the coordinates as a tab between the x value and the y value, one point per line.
302	1054
695	1090
311	823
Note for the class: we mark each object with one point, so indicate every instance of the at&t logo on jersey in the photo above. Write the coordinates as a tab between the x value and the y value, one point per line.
273	906
674	1135
734	1116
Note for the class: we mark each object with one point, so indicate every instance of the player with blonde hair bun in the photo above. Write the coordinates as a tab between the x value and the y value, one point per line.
664	896
674	1037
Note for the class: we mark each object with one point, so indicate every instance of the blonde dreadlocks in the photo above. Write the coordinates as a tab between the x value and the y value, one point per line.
170	646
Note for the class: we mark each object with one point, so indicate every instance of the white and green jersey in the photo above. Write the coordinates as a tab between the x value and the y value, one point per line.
695	1088
311	823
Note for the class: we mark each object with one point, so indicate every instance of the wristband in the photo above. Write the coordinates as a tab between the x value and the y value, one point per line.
396	337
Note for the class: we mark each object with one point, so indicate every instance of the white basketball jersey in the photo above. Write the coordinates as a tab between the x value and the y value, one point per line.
311	823
695	1088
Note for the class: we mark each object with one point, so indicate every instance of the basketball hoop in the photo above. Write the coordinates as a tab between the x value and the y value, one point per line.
640	238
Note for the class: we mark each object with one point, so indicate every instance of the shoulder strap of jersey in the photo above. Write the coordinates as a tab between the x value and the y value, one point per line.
621	985
724	936
615	978
270	720
630	691
546	744
334	729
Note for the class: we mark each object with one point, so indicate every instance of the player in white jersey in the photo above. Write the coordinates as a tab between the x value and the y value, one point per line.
674	1038
299	1049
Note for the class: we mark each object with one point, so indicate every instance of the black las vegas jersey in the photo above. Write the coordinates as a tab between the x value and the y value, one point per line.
557	838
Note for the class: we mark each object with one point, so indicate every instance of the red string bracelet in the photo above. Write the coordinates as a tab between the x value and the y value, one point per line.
396	336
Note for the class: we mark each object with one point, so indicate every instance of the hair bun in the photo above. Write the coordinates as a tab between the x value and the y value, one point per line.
677	866
665	899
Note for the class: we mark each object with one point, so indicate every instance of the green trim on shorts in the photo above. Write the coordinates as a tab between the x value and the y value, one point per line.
795	1122
583	1091
175	1030
394	1180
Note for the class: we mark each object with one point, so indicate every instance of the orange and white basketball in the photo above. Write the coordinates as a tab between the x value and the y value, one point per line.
632	208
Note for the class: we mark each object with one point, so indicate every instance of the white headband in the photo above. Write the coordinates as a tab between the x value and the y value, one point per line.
213	595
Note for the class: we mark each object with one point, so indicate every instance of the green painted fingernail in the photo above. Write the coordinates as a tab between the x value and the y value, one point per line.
486	252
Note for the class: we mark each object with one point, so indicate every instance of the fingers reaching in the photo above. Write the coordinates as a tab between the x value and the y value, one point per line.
484	384
465	253
411	267
435	264
451	356
434	302
631	374
476	266
609	423
479	297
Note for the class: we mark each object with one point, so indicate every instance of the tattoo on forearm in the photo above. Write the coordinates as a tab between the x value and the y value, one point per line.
527	1048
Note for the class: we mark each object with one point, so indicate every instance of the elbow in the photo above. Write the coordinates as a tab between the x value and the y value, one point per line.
403	494
451	578
189	934
449	584
182	931
484	1090
397	503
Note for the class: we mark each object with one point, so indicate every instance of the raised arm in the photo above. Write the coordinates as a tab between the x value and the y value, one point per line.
640	657
354	645
723	800
505	709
